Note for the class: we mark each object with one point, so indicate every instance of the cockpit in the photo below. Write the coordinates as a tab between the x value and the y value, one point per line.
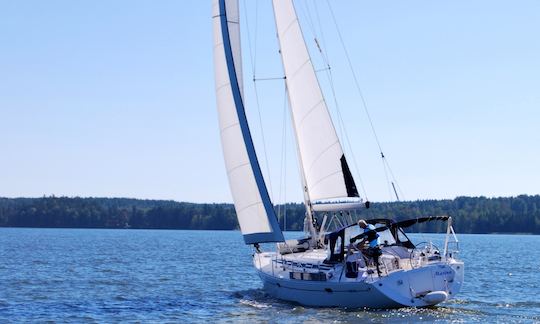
390	234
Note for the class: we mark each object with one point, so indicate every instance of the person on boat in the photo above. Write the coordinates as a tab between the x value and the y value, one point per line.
373	251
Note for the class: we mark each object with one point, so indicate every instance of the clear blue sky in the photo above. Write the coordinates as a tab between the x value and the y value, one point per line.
116	98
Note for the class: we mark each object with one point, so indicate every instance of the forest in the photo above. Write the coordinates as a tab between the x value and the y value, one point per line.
519	214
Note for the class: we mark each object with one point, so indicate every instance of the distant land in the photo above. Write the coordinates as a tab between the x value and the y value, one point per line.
519	214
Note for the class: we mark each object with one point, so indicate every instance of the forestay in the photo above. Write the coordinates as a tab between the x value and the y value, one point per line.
254	209
325	168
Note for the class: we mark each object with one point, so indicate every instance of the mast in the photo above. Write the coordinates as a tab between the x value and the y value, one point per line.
305	190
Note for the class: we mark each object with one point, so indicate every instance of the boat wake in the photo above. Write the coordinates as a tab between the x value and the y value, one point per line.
254	304
458	309
255	298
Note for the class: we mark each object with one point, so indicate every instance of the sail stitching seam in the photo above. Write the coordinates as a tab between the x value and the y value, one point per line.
312	109
250	205
325	177
229	126
321	154
293	75
222	86
237	167
288	27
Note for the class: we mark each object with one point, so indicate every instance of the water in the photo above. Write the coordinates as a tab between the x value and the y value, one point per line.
81	275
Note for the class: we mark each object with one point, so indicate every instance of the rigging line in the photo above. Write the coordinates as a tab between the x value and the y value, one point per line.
266	79
285	119
320	29
253	63
252	59
347	140
311	25
394	179
341	124
323	69
256	34
317	32
357	84
387	179
315	38
285	169
395	191
283	162
310	20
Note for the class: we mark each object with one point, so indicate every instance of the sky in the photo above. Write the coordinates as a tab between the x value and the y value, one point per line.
116	98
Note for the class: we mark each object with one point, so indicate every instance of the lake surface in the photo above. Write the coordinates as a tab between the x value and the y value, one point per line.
97	275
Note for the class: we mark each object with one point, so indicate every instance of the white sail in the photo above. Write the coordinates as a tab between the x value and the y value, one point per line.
326	172
254	209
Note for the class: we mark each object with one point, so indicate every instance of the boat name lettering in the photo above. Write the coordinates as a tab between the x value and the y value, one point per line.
443	273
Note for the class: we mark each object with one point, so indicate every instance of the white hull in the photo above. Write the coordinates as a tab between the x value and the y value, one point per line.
427	285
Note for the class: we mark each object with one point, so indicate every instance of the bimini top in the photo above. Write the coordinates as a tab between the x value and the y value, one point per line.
387	224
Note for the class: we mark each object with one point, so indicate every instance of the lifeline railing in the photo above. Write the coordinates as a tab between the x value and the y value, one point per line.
451	238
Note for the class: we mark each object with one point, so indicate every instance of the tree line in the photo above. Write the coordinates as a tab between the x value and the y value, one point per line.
519	214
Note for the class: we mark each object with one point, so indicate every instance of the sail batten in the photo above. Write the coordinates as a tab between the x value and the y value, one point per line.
254	210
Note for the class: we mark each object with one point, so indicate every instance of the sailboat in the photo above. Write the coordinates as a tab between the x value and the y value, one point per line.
328	268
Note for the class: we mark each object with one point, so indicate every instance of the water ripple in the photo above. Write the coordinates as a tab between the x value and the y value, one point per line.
91	276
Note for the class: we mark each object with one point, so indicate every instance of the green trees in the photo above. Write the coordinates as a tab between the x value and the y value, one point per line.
519	214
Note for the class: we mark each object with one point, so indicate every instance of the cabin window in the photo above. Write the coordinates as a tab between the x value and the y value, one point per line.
403	239
351	232
401	236
385	237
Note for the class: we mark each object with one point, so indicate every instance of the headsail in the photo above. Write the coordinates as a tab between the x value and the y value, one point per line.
325	168
254	209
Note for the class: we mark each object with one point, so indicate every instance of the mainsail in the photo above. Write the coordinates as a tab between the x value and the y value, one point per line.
254	209
325	168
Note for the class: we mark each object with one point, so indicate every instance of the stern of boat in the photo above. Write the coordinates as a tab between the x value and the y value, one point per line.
425	286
